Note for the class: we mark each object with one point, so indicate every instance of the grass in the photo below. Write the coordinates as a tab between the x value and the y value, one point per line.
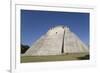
64	57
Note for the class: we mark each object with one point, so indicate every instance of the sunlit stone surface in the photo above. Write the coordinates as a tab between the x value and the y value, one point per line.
58	40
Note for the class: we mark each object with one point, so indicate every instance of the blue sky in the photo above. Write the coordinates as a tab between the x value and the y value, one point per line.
36	23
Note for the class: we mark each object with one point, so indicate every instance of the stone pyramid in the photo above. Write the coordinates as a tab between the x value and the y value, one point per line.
58	40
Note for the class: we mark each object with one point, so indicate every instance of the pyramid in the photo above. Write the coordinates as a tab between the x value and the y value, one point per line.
58	40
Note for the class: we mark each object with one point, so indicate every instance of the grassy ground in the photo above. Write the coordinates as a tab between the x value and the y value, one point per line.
65	57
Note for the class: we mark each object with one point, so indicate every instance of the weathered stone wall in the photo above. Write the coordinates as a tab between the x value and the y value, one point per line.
49	44
54	41
72	44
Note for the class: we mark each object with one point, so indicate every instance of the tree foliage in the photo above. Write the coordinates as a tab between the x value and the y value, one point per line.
84	57
24	48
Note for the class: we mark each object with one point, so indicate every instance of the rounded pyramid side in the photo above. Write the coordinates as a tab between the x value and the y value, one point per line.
72	43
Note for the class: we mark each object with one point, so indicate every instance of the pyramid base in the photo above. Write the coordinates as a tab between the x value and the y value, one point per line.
63	57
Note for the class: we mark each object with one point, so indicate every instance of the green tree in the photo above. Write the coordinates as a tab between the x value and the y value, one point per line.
84	57
24	48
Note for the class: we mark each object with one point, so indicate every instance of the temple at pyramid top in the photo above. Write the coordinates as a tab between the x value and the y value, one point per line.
58	40
60	26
